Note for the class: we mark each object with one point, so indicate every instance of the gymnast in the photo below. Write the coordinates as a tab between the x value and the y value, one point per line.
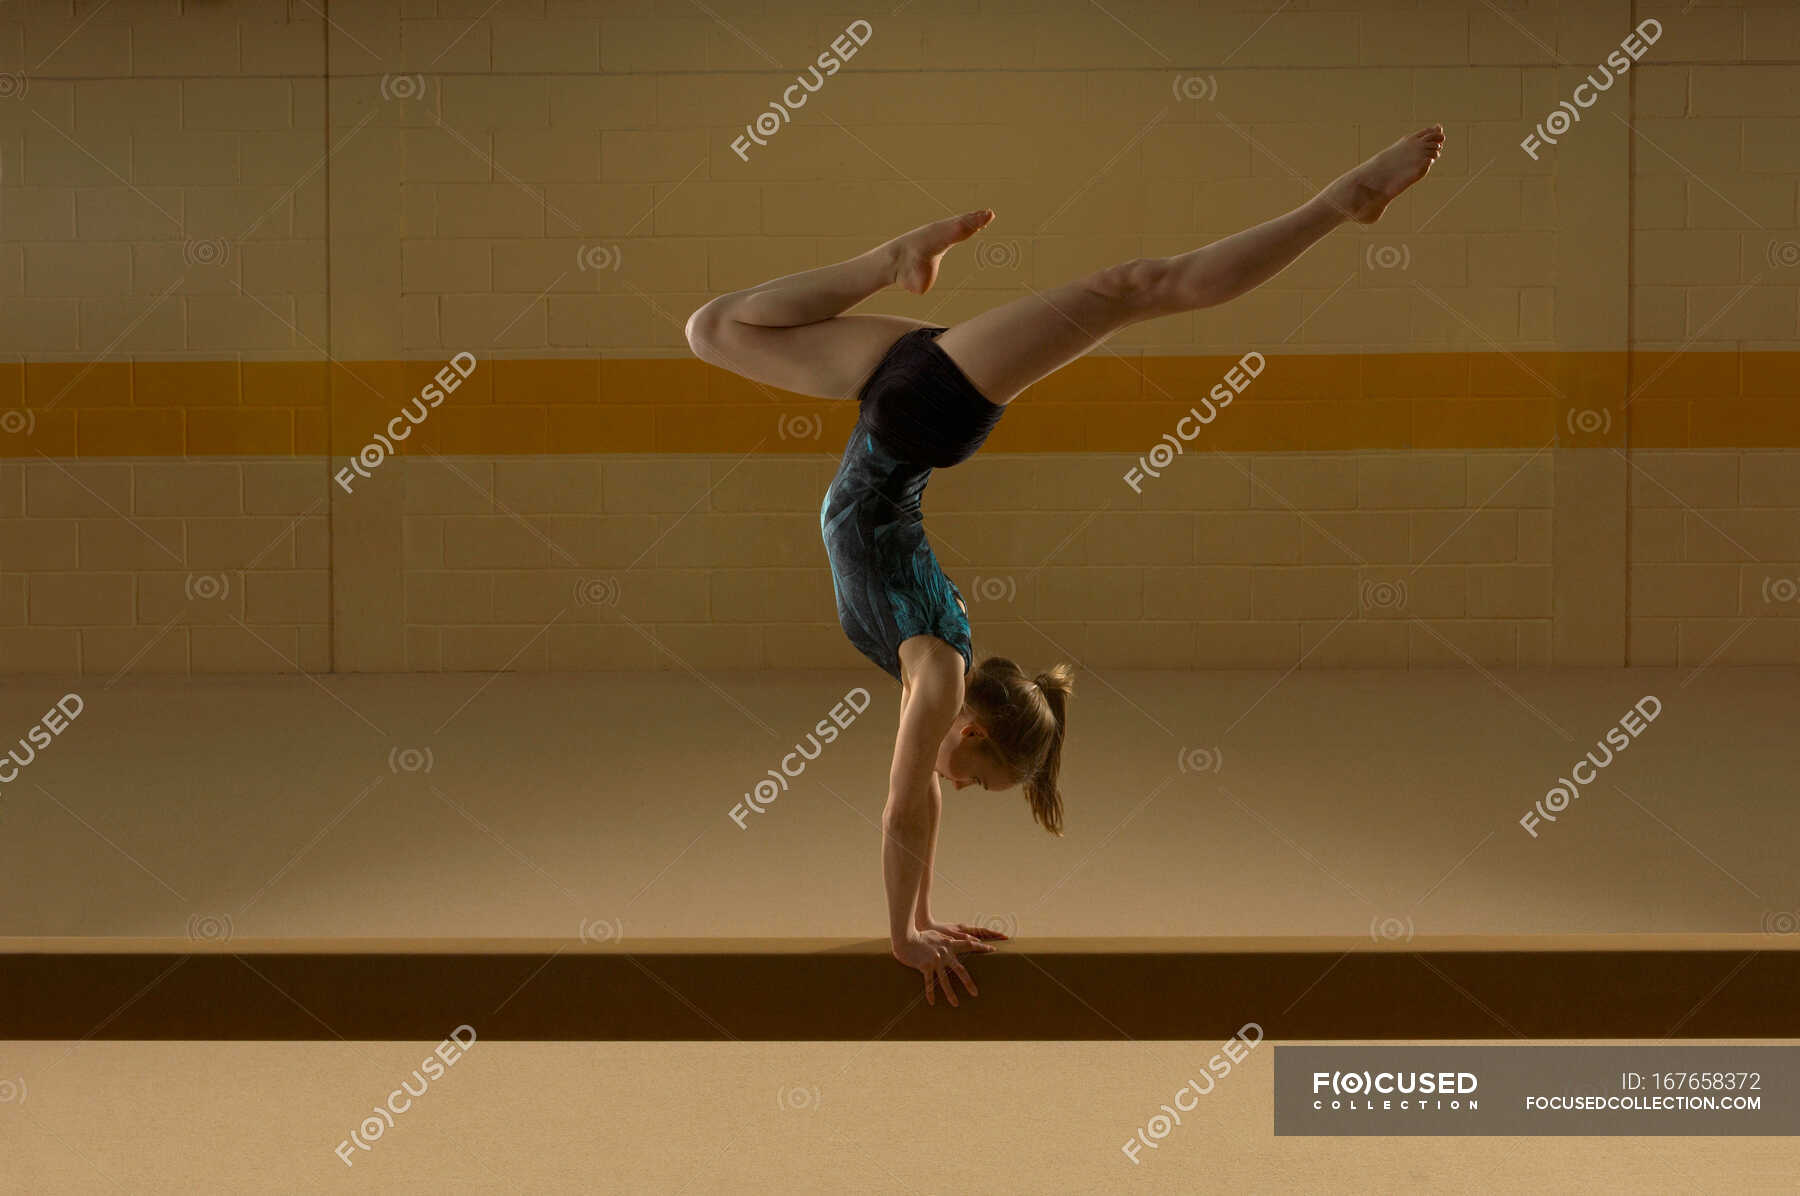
928	396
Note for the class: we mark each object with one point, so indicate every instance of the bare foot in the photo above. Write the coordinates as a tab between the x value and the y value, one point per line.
1364	193
917	254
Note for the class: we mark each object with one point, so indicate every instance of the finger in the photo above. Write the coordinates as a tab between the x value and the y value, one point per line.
930	999
983	932
944	979
967	982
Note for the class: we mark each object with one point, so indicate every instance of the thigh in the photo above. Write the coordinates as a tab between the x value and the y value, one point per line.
830	359
1006	349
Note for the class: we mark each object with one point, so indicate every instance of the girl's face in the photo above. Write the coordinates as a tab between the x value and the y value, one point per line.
963	758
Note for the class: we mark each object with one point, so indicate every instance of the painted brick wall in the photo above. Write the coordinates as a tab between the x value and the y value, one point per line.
1543	414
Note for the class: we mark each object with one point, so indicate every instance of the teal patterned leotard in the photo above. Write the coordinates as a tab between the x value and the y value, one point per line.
918	411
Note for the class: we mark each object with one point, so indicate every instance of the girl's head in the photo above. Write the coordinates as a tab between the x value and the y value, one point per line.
1010	732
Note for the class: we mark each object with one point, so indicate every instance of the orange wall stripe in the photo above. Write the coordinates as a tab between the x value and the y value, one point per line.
1101	403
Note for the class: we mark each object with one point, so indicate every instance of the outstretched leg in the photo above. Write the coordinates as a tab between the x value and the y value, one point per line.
789	332
1005	350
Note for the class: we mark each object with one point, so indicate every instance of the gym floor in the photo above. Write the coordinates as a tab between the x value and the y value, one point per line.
1227	803
1011	1117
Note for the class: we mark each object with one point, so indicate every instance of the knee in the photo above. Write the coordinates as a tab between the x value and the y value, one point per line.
701	329
706	331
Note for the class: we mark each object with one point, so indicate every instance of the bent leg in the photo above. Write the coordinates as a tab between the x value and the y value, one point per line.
829	359
809	296
790	332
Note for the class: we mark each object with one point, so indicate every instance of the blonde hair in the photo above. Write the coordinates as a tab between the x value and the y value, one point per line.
1025	719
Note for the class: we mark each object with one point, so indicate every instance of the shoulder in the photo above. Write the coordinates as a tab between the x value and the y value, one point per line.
932	673
929	703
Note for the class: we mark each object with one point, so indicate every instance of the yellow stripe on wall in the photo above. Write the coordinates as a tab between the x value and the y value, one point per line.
1102	403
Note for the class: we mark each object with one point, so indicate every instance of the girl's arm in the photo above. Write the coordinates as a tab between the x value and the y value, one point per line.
909	821
922	911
